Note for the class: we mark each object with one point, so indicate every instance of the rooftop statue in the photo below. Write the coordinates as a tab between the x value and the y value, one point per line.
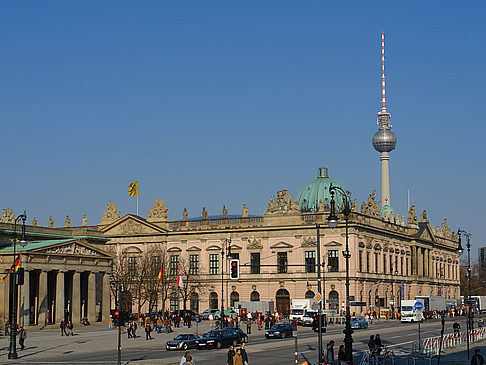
85	220
111	214
225	213
282	204
34	222
204	214
8	216
51	222
445	231
67	222
245	211
158	212
423	216
412	217
184	215
372	208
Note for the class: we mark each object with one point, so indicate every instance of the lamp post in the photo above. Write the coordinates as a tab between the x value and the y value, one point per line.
319	290
12	352
225	246
332	221
394	306
460	250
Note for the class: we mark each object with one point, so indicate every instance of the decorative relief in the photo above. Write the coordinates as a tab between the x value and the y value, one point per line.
254	245
158	212
309	242
412	220
282	204
111	214
131	227
8	216
72	249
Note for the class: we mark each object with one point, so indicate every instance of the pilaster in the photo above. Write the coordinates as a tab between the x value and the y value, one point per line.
42	303
60	300
92	297
106	303
76	298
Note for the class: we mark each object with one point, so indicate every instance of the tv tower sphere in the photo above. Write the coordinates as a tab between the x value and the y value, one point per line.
384	140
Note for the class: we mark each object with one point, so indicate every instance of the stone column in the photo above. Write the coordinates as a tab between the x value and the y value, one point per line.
43	306
76	299
106	304
413	261
92	297
24	305
60	301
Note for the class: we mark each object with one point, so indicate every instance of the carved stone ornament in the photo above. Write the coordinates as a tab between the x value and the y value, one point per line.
423	216
225	212
309	242
445	231
71	249
184	215
34	222
355	205
282	204
254	245
111	214
85	220
131	227
402	220
412	217
158	212
245	211
372	208
51	222
204	214
8	216
67	222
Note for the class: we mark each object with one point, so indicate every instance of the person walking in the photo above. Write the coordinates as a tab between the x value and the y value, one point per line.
148	329
189	361
248	326
341	355
457	327
230	355
244	355
477	359
62	326
330	352
69	327
371	344
22	337
211	319
238	359
185	357
378	344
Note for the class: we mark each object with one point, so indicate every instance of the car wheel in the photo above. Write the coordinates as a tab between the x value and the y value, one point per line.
184	347
218	345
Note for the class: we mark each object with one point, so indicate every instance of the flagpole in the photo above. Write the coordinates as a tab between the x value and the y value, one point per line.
137	204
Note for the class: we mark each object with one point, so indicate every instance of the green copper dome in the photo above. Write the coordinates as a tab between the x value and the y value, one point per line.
317	191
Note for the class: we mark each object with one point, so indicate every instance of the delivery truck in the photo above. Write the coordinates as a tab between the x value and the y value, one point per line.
408	313
433	303
300	307
479	301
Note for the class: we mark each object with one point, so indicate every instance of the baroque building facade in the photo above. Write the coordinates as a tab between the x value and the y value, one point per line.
392	258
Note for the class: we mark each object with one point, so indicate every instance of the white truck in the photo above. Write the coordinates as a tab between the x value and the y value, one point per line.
408	313
433	303
479	301
300	307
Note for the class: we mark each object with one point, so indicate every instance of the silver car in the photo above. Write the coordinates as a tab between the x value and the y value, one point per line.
308	318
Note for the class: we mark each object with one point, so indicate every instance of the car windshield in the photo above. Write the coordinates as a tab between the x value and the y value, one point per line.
181	337
407	308
278	327
213	334
297	312
310	314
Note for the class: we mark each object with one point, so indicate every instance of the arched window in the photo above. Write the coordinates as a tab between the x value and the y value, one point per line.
234	297
213	300
334	300
309	294
282	299
255	296
194	302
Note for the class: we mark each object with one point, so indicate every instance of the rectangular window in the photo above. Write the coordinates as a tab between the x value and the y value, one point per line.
401	265
376	262
396	263
214	264
360	261
333	257
310	261
282	262
384	264
406	266
255	263
194	264
368	262
174	264
155	266
132	266
391	264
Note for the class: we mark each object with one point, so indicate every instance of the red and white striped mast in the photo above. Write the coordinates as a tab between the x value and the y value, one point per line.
383	101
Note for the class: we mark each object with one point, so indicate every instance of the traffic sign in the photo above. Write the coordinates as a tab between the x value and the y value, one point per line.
318	297
419	306
294	325
357	304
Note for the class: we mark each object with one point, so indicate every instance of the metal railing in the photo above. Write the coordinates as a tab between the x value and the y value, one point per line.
431	345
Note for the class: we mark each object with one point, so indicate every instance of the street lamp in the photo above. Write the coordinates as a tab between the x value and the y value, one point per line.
332	221
225	246
12	352
394	305
460	250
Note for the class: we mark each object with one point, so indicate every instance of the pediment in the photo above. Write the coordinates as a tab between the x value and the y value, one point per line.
213	248
73	248
427	234
281	244
332	243
131	225
377	247
174	249
235	248
193	249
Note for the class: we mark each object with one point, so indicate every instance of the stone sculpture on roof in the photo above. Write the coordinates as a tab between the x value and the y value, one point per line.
34	222
158	212
8	216
85	220
184	215
282	204
204	214
445	231
372	208
245	211
51	222
225	212
67	222
111	214
412	217
423	216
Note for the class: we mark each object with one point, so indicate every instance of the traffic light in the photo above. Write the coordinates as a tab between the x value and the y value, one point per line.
124	317
116	318
235	269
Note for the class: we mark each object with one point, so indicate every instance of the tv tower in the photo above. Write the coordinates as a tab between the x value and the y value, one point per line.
384	140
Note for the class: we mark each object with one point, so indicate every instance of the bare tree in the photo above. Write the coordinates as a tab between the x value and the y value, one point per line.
193	282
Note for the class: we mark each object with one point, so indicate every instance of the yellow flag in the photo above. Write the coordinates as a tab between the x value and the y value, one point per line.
133	189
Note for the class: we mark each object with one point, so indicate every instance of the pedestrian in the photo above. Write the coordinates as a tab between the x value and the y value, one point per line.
378	344
341	355
159	324
238	359
330	352
211	319
230	355
244	355
184	358
189	361
7	326
129	329
62	326
248	326
477	359
22	337
69	327
457	327
371	343
134	329
148	329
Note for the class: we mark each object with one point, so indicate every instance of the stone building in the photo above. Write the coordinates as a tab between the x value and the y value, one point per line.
65	269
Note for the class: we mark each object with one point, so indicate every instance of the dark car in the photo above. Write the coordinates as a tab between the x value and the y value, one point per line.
242	336
217	339
280	330
182	342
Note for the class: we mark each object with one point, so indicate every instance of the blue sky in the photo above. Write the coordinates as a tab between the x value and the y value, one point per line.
212	103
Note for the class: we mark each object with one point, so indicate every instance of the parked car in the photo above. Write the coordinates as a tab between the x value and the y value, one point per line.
242	336
280	330
308	318
182	342
207	312
217	339
359	322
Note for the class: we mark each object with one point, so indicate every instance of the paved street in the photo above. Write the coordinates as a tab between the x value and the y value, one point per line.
97	345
